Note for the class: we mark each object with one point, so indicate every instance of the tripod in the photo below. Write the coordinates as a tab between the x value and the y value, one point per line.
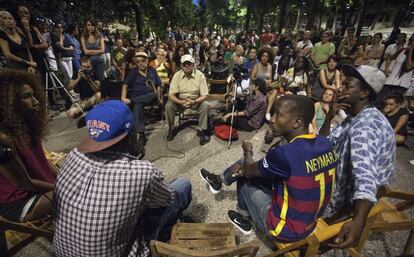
236	85
58	86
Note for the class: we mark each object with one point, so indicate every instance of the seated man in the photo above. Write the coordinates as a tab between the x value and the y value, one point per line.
104	196
142	86
87	85
366	143
188	89
285	192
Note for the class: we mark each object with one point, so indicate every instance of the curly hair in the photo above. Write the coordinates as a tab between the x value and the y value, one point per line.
269	53
16	133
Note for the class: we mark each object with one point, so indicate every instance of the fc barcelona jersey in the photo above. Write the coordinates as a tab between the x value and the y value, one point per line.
303	174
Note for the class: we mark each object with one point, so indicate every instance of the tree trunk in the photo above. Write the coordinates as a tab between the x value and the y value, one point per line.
261	19
335	18
248	14
403	14
313	13
343	16
138	21
283	11
297	20
361	17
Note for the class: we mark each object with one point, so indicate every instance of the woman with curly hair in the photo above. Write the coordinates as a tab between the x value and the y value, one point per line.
26	177
263	69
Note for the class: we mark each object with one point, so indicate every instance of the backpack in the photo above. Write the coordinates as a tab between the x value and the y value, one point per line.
223	132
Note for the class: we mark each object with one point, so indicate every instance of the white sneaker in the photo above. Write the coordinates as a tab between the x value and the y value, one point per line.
411	162
268	116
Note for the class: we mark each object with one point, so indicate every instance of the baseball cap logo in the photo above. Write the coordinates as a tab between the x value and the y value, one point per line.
97	124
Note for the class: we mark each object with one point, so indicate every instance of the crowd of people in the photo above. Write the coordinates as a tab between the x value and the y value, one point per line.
341	105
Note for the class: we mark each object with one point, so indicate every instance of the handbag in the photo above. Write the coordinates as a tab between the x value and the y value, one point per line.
223	132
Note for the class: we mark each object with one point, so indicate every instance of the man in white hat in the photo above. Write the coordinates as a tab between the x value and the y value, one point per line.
365	144
188	89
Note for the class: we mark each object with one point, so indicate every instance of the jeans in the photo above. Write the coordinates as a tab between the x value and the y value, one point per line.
254	196
138	103
158	222
98	66
76	63
67	67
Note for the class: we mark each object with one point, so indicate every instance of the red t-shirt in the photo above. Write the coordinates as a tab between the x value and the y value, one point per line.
267	38
37	166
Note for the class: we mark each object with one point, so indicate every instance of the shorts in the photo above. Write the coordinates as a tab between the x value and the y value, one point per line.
18	210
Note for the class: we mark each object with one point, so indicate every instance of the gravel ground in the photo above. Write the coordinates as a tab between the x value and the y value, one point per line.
189	157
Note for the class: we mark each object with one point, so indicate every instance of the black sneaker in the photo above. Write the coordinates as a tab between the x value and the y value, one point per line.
204	138
213	181
171	134
240	222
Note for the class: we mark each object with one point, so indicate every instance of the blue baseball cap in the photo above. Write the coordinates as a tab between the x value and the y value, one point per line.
107	123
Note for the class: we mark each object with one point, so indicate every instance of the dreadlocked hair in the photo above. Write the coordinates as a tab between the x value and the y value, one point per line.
15	132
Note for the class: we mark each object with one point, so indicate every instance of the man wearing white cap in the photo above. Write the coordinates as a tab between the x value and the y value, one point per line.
188	89
365	144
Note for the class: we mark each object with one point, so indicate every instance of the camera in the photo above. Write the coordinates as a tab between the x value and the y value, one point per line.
87	73
5	154
239	72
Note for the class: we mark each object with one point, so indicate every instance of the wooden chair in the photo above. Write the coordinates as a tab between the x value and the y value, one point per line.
202	240
41	227
395	217
324	232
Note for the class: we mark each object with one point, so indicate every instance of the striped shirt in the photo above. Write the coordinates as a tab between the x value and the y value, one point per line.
303	174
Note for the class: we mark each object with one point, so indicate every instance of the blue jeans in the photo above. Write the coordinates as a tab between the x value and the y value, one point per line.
138	103
254	196
158	222
98	67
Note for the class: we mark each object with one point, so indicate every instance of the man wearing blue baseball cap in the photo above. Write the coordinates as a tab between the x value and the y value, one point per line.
366	148
107	202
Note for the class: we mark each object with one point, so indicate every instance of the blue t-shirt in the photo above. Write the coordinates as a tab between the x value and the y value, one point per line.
137	84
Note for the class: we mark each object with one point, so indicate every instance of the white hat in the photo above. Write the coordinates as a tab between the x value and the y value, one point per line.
187	58
372	76
141	54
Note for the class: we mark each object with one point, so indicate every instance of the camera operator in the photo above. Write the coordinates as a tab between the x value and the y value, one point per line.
26	177
252	117
87	85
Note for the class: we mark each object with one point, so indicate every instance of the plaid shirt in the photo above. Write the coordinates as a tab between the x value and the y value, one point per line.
99	199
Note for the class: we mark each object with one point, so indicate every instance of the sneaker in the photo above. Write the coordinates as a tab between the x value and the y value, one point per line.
213	181
411	162
204	138
240	222
171	134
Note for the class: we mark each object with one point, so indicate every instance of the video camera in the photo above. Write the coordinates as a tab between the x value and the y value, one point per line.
239	72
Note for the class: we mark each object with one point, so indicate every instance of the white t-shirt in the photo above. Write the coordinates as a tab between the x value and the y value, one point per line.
305	46
394	78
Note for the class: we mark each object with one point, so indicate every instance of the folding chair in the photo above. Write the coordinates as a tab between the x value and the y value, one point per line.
34	229
202	240
324	232
395	217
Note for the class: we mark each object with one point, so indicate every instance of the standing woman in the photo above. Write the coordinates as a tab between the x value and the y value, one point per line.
71	40
26	177
93	46
36	44
14	45
65	51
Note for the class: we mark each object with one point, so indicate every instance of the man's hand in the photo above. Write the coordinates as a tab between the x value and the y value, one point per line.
31	69
349	235
337	105
237	170
125	100
32	64
247	146
226	117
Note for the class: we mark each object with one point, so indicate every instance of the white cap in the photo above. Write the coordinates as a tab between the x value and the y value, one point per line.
187	58
141	54
372	76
